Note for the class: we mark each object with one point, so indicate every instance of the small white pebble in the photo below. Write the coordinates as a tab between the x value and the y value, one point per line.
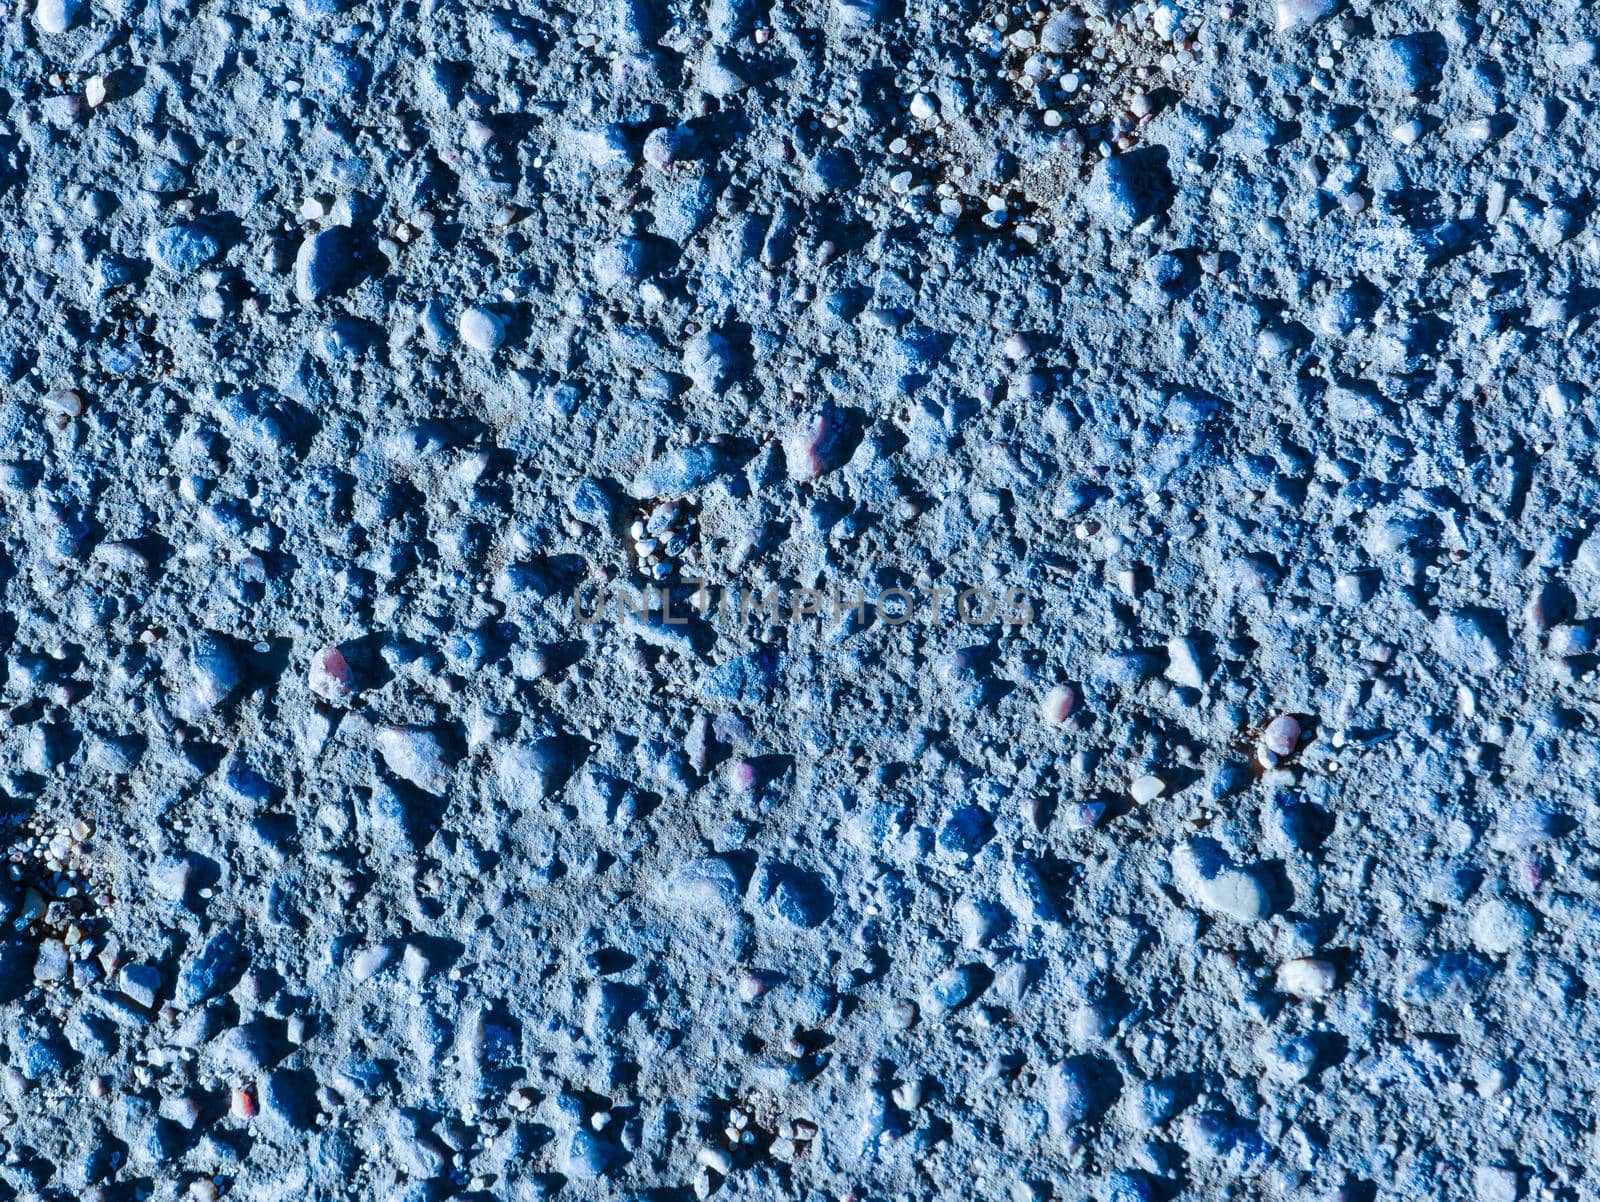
56	16
1058	704
715	1159
330	676
1307	977
1146	788
1282	735
1295	15
66	401
1407	132
481	330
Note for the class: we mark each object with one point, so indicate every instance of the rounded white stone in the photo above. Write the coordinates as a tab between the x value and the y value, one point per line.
1282	735
481	329
1295	15
1146	789
56	16
1307	977
1058	704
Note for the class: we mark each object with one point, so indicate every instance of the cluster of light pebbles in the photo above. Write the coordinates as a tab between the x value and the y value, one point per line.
662	538
56	896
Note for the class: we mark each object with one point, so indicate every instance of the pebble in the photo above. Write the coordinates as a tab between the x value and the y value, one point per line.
1296	15
708	884
215	672
1146	789
480	329
56	16
591	503
817	445
954	988
530	773
214	970
242	1104
65	401
140	983
327	264
1407	133
1058	705
1281	736
1078	1090
1453	977
1203	870
709	360
331	677
1186	662
416	755
368	962
1470	640
1026	894
51	964
1307	978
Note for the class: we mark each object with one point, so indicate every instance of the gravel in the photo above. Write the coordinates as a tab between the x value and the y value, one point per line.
1095	511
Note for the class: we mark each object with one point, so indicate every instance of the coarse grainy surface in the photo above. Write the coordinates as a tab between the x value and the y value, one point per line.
1135	739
